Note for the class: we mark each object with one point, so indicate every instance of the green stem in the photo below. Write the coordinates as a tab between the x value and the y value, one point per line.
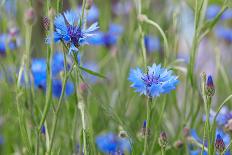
162	151
149	102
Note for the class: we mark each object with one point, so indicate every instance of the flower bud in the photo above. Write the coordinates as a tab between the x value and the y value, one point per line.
210	90
163	140
43	129
219	144
178	144
46	23
228	126
186	132
122	134
88	5
30	16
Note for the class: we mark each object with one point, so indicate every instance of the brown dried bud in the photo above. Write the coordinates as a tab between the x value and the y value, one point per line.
46	23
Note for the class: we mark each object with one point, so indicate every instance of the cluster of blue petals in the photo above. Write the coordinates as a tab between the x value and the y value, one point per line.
69	29
110	143
155	81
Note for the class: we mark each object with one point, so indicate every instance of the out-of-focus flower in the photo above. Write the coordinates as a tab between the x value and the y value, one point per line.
152	43
223	117
223	33
38	69
1	140
43	130
110	143
91	15
90	79
155	81
122	8
213	10
69	29
6	42
109	38
57	88
193	151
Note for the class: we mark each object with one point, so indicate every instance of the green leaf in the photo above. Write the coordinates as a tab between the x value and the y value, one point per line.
92	72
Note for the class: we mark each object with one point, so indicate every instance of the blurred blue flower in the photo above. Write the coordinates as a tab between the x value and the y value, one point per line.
57	88
39	68
1	140
223	33
109	38
58	63
152	44
91	79
224	136
43	130
110	143
155	81
69	30
213	10
121	8
92	15
223	117
6	43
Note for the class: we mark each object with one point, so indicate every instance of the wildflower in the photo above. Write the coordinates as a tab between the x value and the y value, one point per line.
89	3
39	73
219	144
224	33
163	140
122	8
213	10
178	144
143	131
210	90
152	44
225	137
156	81
68	29
6	42
91	79
91	15
109	38
112	144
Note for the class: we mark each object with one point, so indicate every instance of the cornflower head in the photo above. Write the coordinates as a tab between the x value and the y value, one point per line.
152	44
109	38
69	29
155	81
213	10
112	144
210	90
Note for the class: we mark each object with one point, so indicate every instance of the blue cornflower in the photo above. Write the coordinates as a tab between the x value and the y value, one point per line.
6	43
91	79
223	33
213	10
38	69
223	117
57	88
152	44
109	38
110	143
92	14
225	137
68	29
155	81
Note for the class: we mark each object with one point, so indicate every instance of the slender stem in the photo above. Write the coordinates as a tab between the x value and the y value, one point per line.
55	120
149	102
162	151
